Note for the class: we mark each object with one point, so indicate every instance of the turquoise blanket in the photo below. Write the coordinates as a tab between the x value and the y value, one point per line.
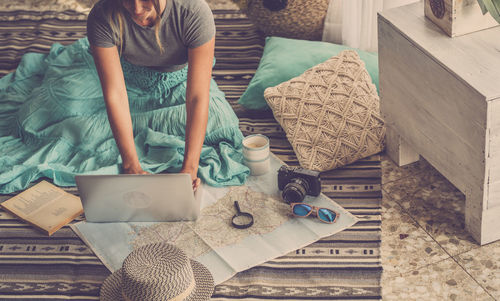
53	122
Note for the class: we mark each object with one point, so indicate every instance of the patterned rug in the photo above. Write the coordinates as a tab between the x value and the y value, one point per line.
345	266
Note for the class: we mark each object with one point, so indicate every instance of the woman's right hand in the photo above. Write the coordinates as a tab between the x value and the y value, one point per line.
135	169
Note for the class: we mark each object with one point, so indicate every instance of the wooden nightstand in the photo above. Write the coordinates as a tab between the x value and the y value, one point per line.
440	98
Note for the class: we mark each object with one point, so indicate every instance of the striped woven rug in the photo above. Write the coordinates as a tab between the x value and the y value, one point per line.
345	266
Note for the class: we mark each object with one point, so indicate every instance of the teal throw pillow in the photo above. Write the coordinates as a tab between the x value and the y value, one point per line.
284	59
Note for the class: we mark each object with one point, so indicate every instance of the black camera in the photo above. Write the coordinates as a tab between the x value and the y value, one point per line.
298	182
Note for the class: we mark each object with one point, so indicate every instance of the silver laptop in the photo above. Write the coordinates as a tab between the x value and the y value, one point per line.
139	198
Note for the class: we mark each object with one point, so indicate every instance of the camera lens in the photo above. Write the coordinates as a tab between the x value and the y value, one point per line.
295	191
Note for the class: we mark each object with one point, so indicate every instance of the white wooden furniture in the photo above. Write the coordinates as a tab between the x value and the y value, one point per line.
440	98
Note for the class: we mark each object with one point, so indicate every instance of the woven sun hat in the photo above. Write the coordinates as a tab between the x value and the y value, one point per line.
158	271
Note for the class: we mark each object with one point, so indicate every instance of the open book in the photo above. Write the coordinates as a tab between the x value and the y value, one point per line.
45	206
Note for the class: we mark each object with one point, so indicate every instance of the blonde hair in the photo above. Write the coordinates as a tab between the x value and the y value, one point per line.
115	11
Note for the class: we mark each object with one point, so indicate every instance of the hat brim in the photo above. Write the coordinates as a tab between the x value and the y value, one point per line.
111	289
204	285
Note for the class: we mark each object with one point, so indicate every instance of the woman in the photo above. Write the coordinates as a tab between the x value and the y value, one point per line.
123	100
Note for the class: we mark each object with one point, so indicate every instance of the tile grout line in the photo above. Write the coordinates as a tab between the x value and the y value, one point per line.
449	255
404	177
456	261
423	266
475	280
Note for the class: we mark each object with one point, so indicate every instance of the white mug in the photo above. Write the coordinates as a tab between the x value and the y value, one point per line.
256	154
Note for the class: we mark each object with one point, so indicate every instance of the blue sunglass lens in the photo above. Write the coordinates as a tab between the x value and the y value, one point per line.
326	215
301	209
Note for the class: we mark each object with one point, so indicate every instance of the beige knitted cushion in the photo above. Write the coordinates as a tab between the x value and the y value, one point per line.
330	113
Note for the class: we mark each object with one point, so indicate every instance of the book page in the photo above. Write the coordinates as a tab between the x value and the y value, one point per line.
33	199
45	205
58	213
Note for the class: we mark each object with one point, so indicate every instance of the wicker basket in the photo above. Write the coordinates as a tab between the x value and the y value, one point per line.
297	19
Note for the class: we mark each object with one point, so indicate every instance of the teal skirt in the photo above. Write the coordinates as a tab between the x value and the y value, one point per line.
53	122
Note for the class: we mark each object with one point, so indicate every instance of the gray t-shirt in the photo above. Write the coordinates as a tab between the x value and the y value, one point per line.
184	24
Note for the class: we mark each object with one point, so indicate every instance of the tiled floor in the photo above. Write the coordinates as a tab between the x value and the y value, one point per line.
426	253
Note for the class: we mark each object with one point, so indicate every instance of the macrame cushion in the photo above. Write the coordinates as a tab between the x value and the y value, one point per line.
330	113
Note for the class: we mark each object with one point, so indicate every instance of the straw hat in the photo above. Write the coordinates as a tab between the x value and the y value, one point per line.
158	271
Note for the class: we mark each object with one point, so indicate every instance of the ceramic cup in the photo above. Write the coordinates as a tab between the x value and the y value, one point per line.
256	154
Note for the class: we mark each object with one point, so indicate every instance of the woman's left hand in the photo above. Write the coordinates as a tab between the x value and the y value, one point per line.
194	178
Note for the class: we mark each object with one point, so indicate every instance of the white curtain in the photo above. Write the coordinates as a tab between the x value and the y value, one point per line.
354	22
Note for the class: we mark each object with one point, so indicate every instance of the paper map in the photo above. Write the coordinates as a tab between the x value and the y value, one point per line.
212	240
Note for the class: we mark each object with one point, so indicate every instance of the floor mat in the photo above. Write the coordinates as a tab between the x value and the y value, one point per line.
343	266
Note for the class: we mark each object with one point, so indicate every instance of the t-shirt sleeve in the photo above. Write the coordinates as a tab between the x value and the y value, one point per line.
199	24
99	32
